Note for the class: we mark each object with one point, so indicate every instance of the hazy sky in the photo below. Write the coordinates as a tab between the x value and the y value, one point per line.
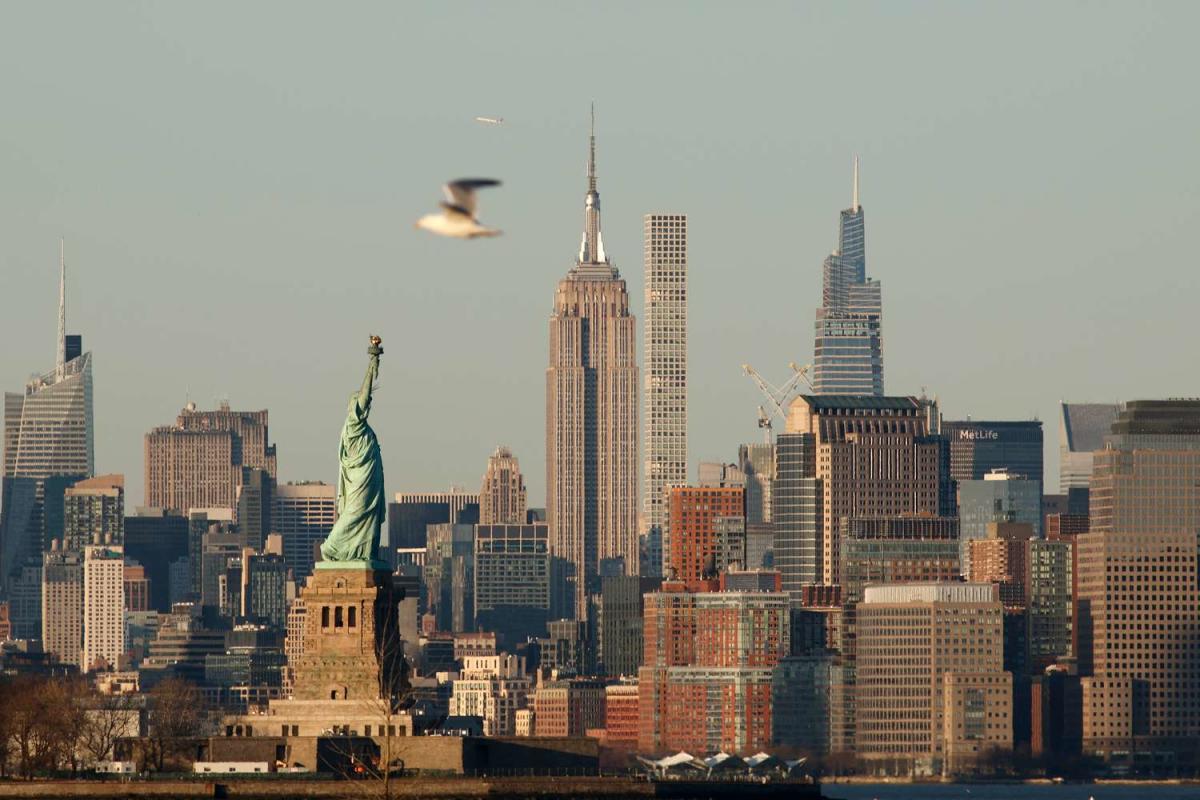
237	185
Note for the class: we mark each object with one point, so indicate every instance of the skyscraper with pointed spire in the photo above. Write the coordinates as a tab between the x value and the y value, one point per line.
592	414
848	348
48	432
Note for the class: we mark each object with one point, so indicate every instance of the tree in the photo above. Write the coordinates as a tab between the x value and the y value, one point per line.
107	718
41	721
385	710
177	713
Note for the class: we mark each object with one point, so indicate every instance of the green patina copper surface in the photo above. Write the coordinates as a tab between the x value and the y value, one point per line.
354	540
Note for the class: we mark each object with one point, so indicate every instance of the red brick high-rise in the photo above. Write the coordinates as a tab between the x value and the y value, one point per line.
691	544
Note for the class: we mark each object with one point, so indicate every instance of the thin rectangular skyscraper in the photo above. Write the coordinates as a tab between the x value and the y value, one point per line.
591	415
665	361
848	344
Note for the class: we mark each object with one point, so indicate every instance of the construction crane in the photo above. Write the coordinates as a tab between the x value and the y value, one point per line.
777	396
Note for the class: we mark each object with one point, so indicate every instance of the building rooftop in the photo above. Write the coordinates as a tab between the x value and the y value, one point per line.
834	401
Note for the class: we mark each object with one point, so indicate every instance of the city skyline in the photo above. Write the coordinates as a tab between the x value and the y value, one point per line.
155	257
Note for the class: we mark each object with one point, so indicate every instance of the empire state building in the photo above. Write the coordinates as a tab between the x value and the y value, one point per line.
592	414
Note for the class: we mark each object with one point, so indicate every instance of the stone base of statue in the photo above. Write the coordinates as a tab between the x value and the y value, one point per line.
350	675
351	641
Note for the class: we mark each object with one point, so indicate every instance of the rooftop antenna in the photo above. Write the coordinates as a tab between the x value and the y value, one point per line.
60	361
854	207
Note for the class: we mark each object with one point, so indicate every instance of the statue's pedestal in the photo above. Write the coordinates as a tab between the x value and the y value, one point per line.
352	646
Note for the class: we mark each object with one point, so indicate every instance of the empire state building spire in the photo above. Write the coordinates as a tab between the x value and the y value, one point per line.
591	249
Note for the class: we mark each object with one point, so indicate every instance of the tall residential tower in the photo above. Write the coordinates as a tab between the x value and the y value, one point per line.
591	414
665	344
848	348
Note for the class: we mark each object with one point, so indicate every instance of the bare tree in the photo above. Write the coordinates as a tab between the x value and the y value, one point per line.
40	719
177	713
107	718
378	771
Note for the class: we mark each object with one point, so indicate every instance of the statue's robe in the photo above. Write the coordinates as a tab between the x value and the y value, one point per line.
361	504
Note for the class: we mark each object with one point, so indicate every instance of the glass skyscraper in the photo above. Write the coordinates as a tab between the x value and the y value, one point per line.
48	431
848	346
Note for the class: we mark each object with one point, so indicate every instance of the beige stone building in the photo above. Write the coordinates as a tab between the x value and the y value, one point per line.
1139	635
592	414
197	462
502	495
977	717
912	638
870	457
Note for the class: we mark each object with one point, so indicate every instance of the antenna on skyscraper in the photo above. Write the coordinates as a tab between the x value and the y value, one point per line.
854	207
60	360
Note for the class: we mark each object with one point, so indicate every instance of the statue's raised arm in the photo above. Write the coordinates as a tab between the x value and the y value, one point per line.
361	502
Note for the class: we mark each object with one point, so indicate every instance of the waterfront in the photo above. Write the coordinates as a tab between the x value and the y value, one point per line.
1008	791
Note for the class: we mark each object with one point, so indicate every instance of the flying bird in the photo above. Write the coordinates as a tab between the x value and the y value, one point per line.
490	120
457	218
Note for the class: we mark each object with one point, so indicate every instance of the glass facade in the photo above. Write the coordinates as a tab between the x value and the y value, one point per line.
979	447
848	341
996	499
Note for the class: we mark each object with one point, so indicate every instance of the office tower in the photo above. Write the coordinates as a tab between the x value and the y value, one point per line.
492	688
412	512
103	607
621	618
897	550
48	431
978	447
197	462
757	463
254	503
1049	602
1138	639
796	515
692	518
62	604
94	507
156	540
450	576
220	547
664	341
848	349
718	473
512	581
801	693
1081	432
591	413
1148	479
706	678
567	648
264	590
185	638
931	690
999	497
845	457
137	588
303	514
502	495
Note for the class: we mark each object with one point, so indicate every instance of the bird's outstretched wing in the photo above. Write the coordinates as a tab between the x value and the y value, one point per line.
460	194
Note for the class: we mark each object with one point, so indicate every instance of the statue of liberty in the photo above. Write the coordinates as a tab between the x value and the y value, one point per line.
354	540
